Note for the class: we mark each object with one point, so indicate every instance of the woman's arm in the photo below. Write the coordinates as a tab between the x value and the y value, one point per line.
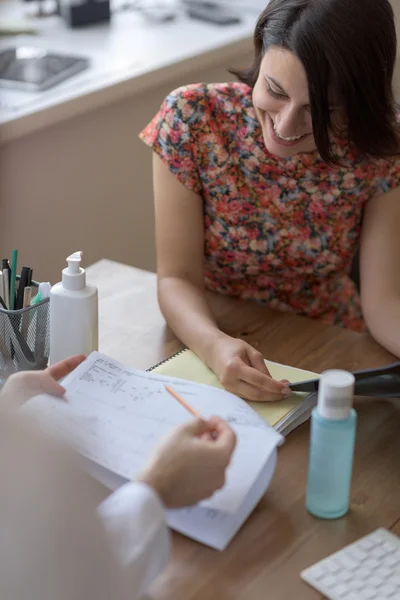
180	257
380	269
181	291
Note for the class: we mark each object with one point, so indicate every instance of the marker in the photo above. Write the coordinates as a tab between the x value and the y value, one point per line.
6	285
14	260
43	292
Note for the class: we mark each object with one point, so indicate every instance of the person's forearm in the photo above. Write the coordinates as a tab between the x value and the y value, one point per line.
384	325
186	310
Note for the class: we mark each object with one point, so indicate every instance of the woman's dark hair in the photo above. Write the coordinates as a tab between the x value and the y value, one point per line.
348	51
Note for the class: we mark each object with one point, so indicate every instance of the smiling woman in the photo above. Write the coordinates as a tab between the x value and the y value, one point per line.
265	188
334	62
283	106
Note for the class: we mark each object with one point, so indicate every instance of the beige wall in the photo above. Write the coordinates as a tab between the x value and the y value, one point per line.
86	184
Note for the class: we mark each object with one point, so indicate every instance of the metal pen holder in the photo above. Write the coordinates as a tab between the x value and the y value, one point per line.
24	338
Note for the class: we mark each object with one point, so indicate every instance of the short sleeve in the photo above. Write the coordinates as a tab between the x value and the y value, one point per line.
175	134
386	176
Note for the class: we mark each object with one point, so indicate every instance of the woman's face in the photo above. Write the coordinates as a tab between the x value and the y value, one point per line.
282	104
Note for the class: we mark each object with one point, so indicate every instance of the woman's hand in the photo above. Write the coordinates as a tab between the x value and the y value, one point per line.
22	386
241	370
190	464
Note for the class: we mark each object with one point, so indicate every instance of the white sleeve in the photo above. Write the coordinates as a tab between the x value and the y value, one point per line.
134	519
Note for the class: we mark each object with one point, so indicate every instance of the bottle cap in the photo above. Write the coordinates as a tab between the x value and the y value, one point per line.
335	396
44	289
43	293
74	277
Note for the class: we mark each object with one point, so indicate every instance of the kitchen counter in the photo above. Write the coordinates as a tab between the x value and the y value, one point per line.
128	56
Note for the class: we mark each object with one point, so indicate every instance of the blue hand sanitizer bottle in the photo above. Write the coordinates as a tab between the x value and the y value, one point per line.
333	432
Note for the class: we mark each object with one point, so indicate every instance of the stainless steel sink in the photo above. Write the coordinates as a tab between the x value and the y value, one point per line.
33	69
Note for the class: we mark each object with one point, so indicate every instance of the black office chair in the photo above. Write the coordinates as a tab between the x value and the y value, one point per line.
355	270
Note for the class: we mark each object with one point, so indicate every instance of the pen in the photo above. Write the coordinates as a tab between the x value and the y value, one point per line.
6	272
40	333
183	402
6	285
14	260
27	296
26	316
6	265
23	282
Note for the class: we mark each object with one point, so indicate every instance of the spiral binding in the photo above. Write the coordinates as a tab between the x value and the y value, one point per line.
166	360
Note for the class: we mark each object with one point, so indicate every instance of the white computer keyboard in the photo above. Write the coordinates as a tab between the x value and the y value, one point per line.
369	569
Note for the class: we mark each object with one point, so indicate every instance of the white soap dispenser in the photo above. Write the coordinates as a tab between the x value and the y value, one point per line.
73	313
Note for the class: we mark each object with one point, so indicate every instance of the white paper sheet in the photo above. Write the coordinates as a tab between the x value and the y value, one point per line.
115	415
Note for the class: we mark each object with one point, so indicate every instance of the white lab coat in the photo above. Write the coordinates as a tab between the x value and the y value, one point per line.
60	540
134	519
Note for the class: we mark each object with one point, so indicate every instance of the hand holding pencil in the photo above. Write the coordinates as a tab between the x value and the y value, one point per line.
190	464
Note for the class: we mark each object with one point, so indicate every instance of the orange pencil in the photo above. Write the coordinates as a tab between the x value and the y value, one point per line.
182	401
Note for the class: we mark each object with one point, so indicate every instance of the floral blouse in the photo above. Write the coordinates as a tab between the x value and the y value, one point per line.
283	232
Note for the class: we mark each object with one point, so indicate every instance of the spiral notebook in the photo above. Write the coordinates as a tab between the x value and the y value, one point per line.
284	415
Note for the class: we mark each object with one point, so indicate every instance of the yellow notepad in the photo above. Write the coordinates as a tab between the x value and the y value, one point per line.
186	365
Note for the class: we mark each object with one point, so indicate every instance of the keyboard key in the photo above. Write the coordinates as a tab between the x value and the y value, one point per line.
344	576
375	581
333	567
356	584
389	548
379	552
318	572
328	581
367	594
363	573
397	555
358	553
392	561
379	536
371	564
384	571
387	590
350	563
366	544
340	590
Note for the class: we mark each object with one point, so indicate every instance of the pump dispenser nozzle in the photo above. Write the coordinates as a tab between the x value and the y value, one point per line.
74	262
74	277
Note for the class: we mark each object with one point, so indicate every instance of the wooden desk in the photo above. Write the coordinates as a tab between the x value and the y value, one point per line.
264	561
